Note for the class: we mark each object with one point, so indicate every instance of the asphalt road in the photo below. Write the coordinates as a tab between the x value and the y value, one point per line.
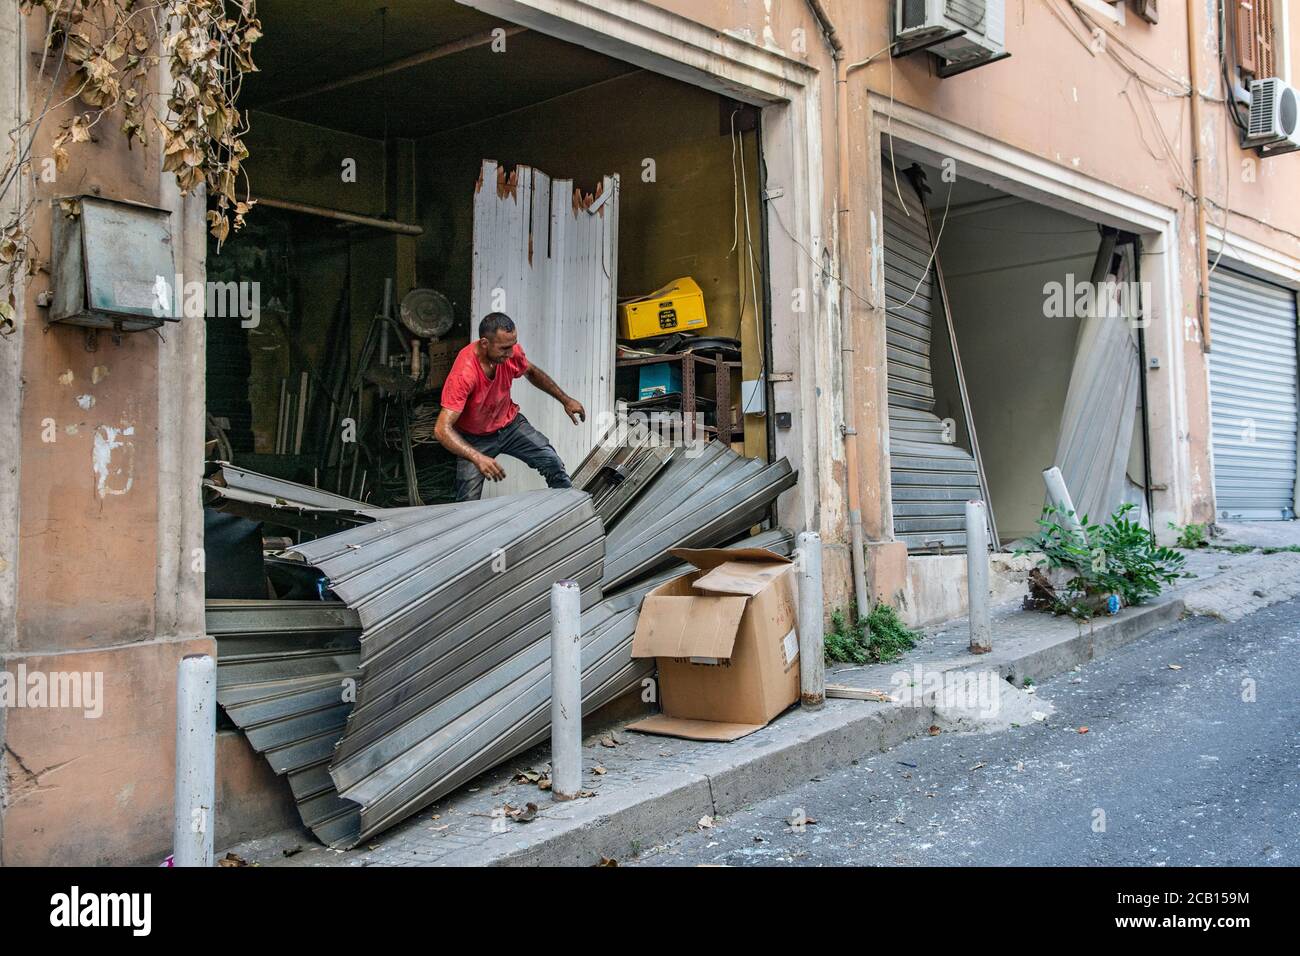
1178	767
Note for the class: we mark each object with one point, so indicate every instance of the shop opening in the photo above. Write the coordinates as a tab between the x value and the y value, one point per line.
405	160
1016	342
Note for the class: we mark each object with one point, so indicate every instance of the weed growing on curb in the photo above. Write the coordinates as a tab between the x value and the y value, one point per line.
878	638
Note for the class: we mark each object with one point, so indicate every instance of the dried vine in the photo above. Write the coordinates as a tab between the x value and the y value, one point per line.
104	55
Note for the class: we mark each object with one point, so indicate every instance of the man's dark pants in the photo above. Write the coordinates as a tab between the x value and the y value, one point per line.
518	440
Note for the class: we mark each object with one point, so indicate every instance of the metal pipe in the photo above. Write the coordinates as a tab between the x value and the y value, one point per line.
977	578
196	761
1198	178
961	385
304	387
1142	383
566	690
374	222
283	413
812	643
1059	495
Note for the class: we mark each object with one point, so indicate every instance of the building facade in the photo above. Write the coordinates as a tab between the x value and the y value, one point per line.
1091	153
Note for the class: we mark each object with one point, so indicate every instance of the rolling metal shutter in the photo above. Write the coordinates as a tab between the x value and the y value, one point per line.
1252	397
931	480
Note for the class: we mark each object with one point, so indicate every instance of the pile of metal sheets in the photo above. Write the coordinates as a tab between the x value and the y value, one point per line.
446	594
707	496
287	672
445	619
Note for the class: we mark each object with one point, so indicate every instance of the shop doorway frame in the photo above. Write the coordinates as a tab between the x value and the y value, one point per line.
1027	176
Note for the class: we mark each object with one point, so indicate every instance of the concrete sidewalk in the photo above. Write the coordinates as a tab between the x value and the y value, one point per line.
645	790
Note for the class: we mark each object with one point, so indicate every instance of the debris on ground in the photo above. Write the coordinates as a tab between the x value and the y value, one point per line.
525	814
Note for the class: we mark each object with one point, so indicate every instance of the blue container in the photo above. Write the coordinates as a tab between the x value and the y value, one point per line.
664	378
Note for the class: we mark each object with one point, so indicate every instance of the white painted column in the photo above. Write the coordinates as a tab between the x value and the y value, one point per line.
977	577
196	761
812	644
566	690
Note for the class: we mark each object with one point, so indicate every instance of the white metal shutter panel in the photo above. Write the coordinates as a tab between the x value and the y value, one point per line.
554	268
931	480
1252	397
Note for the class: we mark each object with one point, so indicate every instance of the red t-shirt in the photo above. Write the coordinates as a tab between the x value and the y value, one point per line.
484	403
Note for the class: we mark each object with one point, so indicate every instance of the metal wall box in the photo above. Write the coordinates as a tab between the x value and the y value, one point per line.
113	265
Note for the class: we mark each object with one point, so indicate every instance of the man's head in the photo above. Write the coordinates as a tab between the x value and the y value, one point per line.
497	337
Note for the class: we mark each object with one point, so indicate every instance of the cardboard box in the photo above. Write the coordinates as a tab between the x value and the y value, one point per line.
442	353
726	642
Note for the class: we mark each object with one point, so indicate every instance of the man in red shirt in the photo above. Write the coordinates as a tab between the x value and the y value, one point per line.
479	421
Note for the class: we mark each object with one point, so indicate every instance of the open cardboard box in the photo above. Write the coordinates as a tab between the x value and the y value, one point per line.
725	638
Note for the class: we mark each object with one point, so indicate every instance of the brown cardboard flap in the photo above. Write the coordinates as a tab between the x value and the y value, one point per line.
706	559
740	577
666	726
673	626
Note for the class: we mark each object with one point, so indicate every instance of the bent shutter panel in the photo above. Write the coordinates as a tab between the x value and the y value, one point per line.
931	479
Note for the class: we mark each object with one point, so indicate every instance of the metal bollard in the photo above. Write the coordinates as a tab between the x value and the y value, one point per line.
196	761
977	577
812	644
1059	496
566	690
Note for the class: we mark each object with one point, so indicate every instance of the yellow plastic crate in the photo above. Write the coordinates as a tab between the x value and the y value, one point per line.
677	307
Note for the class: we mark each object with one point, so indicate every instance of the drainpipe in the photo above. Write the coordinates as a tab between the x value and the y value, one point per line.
1198	179
848	368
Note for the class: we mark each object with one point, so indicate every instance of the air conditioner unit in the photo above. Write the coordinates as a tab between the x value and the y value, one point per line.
962	33
1274	125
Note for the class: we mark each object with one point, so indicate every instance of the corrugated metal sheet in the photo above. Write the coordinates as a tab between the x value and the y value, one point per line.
1252	397
444	598
620	466
1096	436
550	261
931	479
239	491
286	671
707	496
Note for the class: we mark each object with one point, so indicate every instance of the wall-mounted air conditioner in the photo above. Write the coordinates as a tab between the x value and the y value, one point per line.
1274	125
963	34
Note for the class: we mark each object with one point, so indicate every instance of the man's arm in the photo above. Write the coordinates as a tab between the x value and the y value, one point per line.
572	407
444	430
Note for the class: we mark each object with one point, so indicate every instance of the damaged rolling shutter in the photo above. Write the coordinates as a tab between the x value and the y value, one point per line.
931	477
1096	436
1253	397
